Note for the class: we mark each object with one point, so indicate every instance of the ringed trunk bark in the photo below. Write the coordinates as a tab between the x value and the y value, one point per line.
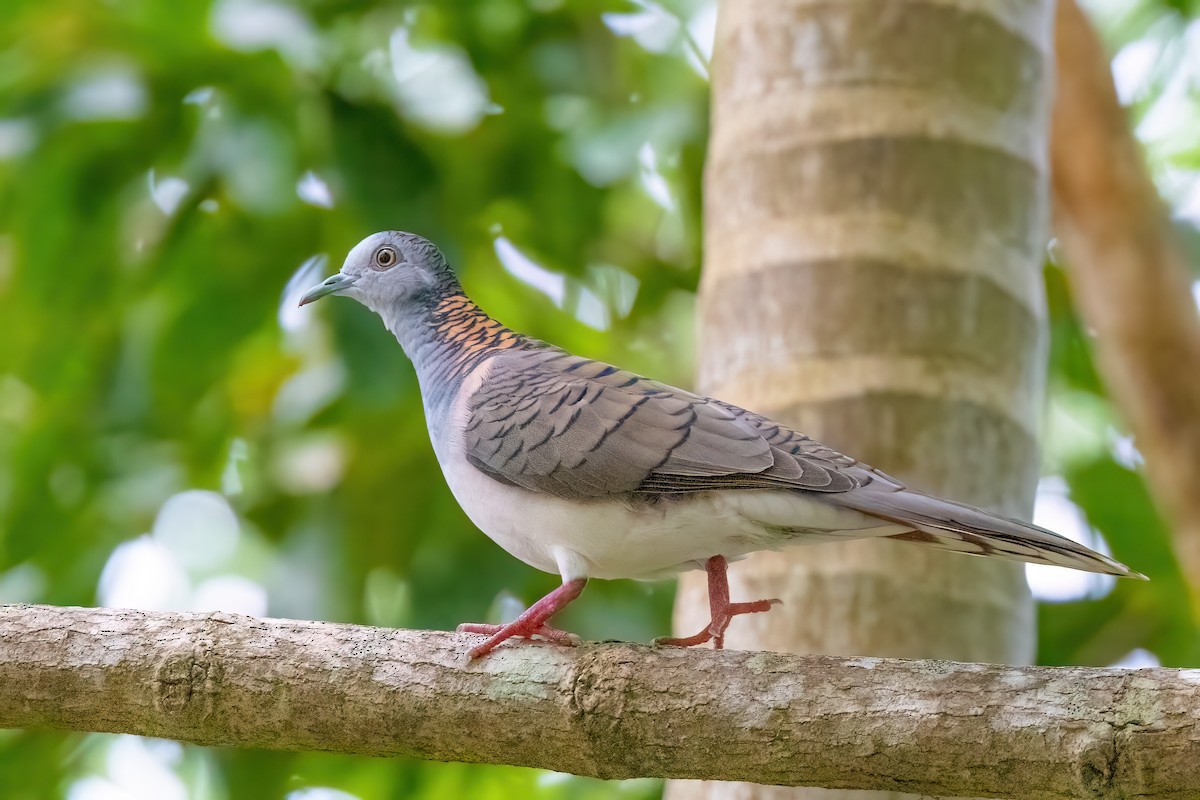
876	209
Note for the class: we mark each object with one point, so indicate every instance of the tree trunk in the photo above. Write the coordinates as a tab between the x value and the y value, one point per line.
876	204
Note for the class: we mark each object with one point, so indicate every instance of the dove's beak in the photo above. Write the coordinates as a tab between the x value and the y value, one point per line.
331	285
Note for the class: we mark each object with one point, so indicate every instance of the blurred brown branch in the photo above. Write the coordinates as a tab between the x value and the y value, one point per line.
1130	278
610	710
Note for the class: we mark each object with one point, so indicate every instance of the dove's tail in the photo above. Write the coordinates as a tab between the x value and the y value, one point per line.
953	526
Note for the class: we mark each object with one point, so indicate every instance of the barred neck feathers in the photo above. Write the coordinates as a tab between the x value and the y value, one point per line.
467	334
451	338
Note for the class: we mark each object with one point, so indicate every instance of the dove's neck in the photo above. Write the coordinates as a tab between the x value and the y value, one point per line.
447	337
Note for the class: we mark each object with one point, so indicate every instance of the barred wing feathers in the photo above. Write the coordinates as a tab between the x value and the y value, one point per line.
580	429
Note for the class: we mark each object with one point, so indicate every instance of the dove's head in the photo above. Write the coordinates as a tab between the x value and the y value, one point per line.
388	271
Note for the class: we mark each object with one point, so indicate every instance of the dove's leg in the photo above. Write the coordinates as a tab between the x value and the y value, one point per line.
722	611
532	621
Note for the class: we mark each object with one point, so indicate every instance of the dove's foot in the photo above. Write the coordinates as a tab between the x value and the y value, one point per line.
547	632
533	622
722	611
716	628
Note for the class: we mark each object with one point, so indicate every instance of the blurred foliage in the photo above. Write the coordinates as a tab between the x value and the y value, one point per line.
168	171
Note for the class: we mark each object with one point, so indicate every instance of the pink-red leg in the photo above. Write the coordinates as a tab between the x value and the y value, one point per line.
721	610
531	622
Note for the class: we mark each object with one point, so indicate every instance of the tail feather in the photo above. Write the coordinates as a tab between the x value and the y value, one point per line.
947	525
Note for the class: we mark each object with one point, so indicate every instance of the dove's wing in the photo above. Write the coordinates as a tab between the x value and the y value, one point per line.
577	428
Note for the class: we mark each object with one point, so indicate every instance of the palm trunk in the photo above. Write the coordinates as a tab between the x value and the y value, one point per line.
876	207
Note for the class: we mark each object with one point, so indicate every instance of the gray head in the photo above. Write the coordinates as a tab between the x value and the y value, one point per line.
389	270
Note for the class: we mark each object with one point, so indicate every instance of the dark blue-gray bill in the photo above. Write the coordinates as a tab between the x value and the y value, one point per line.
331	285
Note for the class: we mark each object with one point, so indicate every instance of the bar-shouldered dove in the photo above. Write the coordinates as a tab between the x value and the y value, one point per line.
583	469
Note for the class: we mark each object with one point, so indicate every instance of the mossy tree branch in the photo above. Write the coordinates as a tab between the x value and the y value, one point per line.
608	710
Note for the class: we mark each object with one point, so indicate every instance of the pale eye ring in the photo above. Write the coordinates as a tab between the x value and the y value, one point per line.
385	257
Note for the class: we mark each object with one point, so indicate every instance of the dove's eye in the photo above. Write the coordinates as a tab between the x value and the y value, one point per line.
385	257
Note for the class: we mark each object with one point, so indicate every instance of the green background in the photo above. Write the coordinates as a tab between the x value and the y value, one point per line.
167	170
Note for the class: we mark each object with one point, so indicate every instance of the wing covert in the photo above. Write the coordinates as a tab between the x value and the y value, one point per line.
577	428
